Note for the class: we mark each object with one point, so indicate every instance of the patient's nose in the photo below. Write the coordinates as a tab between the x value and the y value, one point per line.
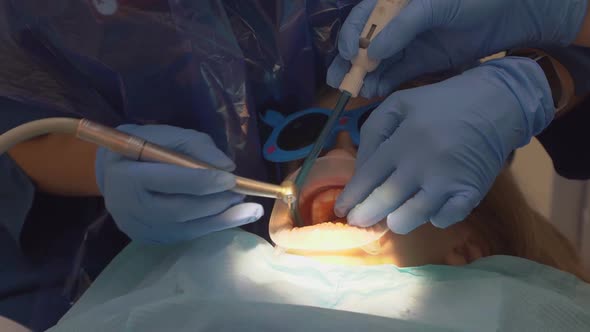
344	142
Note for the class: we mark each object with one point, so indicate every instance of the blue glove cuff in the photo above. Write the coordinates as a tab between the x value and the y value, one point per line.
526	80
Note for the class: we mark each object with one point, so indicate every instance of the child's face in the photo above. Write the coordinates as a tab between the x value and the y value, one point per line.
425	245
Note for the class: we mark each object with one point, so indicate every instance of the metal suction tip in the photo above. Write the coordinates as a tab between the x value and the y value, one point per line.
289	193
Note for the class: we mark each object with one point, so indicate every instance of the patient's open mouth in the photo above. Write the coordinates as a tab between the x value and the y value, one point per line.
322	205
317	204
322	230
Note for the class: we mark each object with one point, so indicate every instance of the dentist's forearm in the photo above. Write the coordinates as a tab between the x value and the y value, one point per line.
561	81
568	89
59	164
583	37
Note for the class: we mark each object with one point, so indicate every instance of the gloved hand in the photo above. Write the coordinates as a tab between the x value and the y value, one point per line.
434	35
161	203
432	153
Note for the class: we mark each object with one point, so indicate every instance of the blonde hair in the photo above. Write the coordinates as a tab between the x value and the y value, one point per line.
511	227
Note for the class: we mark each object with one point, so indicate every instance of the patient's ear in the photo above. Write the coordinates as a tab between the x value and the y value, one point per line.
467	248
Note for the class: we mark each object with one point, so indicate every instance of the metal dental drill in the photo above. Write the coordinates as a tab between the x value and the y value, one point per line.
382	14
135	148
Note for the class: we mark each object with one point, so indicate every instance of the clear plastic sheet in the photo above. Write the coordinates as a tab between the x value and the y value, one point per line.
211	65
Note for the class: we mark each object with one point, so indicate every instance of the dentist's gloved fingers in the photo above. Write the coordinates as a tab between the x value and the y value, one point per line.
396	74
181	208
235	216
186	141
378	168
414	19
378	128
174	179
348	39
371	83
383	200
336	71
422	56
340	67
149	200
456	209
415	212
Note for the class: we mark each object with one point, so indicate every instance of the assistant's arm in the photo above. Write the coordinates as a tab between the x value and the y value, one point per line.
583	37
58	164
566	138
567	90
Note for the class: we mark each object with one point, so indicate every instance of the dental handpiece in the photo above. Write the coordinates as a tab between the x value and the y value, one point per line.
137	149
382	14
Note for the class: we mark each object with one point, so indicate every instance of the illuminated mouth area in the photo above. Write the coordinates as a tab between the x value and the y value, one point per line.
316	206
322	230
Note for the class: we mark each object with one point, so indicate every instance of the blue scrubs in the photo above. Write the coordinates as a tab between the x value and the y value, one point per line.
206	65
50	246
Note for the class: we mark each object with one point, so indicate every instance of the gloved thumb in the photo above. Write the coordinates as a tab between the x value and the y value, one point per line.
235	216
456	208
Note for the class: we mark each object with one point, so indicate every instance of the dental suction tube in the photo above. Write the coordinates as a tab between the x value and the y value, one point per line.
382	14
134	148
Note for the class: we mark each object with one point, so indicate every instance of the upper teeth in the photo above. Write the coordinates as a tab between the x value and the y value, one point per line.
323	204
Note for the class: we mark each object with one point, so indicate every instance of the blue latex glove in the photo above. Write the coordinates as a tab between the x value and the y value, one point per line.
432	153
153	202
435	35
